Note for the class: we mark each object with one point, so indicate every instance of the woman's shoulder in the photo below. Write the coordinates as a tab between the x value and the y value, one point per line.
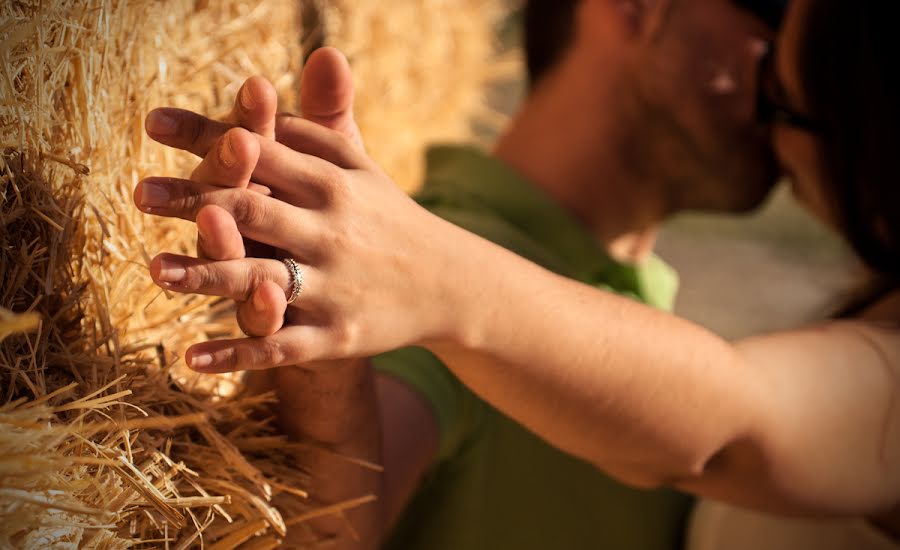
716	525
884	312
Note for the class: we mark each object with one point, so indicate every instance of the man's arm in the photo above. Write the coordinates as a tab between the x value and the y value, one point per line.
409	443
355	413
337	406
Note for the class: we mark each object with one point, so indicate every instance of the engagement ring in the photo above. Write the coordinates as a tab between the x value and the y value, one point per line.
296	285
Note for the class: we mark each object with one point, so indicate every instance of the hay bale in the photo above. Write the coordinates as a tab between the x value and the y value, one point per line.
102	445
422	68
106	440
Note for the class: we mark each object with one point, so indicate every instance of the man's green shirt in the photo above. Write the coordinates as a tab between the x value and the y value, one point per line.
494	485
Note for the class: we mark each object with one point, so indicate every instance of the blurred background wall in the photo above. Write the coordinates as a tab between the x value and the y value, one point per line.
774	269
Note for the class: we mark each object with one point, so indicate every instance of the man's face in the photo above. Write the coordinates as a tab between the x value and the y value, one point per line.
695	86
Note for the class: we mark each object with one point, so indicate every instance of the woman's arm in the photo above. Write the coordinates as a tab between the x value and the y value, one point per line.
802	421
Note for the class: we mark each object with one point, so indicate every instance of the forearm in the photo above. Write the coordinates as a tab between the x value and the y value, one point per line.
640	393
798	422
333	407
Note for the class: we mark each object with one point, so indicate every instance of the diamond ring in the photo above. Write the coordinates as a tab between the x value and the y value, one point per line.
296	285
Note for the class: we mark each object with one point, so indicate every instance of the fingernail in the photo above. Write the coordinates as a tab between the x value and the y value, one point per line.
258	305
201	234
161	124
170	272
247	100
154	195
200	361
226	152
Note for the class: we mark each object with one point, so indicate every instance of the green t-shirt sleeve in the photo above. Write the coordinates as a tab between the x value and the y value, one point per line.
456	409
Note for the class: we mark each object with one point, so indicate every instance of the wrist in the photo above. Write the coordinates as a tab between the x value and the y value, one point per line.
464	291
329	402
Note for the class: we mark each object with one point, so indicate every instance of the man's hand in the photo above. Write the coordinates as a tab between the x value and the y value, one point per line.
333	405
373	260
230	154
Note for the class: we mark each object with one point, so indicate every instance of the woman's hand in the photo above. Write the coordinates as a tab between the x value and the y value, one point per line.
373	260
330	404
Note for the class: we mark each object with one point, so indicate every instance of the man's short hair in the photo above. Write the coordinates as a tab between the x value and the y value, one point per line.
549	23
548	32
770	11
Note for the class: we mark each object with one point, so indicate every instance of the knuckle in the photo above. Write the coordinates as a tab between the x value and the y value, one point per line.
193	202
255	275
339	140
335	184
196	133
236	360
291	353
206	278
340	181
184	198
341	241
246	357
268	353
195	277
346	336
277	353
247	209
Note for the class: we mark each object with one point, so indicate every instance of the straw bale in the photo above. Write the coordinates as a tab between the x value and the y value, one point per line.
106	439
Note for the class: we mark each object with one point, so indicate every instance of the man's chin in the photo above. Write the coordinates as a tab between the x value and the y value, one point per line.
753	200
755	185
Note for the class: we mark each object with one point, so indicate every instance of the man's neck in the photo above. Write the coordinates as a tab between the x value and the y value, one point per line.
559	144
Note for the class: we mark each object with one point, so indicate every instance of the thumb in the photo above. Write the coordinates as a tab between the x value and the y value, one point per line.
327	92
255	106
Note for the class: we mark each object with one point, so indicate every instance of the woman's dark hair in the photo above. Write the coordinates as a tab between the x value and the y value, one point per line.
849	74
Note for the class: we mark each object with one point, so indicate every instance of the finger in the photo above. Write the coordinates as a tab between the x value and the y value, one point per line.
235	279
291	345
263	314
311	138
184	130
263	219
188	131
230	161
228	164
218	237
280	168
255	107
305	179
327	93
259	189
